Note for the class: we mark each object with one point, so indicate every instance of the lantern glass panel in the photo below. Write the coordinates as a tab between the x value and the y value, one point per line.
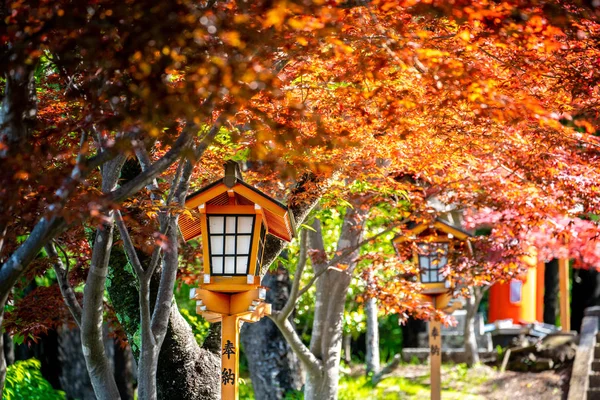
241	265
433	257
230	244
230	239
216	244
261	246
230	224
217	265
229	265
216	223
243	244
245	224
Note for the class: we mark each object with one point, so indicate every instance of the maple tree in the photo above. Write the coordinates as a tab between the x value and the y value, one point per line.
114	104
501	140
475	104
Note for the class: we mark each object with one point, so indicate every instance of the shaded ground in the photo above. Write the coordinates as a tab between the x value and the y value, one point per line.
530	386
460	383
547	385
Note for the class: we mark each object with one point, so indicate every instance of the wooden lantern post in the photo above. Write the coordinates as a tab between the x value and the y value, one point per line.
563	283
230	341
234	220
435	359
434	242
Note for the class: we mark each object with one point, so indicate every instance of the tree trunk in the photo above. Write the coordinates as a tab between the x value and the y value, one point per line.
2	359
124	371
9	349
148	359
347	346
74	379
326	340
330	298
92	341
91	324
471	347
185	371
372	357
551	305
19	106
372	337
274	368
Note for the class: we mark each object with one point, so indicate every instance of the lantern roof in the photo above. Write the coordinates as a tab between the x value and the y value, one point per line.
233	191
433	229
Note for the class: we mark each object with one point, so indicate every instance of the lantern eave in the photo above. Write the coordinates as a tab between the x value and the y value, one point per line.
214	189
279	217
438	225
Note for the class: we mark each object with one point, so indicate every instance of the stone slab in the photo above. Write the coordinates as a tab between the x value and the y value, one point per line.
582	365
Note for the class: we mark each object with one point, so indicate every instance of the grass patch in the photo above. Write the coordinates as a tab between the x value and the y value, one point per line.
390	388
458	383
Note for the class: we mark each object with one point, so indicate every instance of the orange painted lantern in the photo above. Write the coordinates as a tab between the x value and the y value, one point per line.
234	220
434	242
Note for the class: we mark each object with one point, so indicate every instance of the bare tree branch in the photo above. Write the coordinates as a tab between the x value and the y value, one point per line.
3	230
99	369
129	248
210	135
386	370
155	258
146	163
344	254
62	275
292	299
140	181
312	363
308	192
312	281
174	182
50	226
170	259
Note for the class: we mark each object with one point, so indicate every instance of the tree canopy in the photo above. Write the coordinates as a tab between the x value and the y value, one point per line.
422	108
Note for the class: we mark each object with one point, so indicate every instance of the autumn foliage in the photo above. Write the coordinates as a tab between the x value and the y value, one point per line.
487	106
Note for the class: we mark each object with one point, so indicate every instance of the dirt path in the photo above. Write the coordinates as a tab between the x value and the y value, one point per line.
487	383
547	385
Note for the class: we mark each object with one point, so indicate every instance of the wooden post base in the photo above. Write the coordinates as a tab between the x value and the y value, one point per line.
563	283
230	309
435	358
230	343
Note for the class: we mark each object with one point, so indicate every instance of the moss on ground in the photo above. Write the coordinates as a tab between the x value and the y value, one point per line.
459	383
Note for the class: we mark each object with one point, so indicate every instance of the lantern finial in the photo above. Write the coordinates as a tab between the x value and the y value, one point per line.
232	173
